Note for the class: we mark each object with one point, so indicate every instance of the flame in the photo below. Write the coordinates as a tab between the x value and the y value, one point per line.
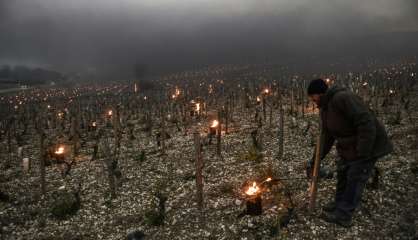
328	80
110	113
391	91
268	179
197	107
258	99
365	84
252	190
214	123
266	91
94	124
60	150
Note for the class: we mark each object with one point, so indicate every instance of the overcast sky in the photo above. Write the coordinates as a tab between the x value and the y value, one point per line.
89	33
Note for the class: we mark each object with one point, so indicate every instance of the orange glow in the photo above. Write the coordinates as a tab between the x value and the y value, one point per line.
198	107
110	113
252	190
215	123
60	150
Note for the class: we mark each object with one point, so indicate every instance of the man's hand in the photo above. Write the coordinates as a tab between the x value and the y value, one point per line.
324	172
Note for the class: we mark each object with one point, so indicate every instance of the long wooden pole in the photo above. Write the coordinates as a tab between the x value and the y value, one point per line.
317	163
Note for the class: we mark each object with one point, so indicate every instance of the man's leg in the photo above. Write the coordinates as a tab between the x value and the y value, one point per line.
342	170
357	176
341	185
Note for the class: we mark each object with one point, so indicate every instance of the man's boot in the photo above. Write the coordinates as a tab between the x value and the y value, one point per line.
329	207
337	218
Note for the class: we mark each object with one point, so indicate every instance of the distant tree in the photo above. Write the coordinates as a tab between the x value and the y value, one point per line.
22	74
26	75
5	72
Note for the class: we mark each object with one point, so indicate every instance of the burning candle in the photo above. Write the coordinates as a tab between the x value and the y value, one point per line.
110	113
198	107
258	99
94	124
60	150
266	91
214	123
252	190
328	81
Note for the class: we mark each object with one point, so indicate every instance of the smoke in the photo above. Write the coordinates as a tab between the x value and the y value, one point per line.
107	32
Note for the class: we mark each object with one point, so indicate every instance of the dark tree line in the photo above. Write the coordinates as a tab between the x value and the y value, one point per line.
28	76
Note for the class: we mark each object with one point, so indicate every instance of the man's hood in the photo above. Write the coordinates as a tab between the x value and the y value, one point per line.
329	94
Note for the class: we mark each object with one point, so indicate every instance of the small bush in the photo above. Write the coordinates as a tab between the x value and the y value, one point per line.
66	205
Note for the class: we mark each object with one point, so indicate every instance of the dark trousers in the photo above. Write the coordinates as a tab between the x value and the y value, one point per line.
352	177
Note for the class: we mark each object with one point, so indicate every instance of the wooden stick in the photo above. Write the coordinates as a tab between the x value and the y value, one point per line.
314	182
199	170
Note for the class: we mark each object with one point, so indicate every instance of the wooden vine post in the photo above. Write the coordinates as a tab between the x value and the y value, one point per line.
199	171
314	183
219	133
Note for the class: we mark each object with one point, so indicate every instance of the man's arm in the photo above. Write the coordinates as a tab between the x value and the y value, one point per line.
326	142
362	119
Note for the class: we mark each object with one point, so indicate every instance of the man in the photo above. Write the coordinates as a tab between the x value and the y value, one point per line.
361	140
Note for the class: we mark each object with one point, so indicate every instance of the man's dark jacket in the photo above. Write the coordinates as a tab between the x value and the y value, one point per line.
346	119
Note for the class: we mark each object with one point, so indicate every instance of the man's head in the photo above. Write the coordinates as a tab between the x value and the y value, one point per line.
316	89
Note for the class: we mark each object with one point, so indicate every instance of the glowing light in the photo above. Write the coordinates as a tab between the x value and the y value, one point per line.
198	107
110	113
215	123
252	190
60	150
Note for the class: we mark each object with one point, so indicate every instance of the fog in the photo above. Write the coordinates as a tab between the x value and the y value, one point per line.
81	34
